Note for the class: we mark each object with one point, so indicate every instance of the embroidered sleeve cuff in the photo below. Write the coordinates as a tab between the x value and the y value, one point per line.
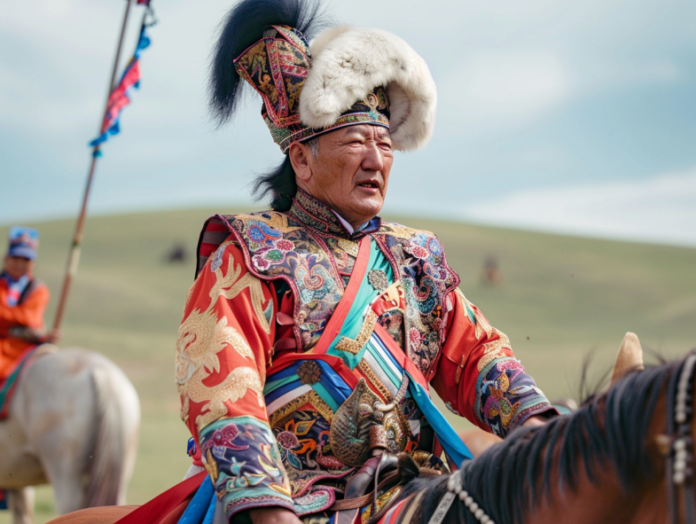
507	396
242	458
542	408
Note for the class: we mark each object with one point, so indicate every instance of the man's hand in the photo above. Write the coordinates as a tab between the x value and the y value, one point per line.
274	516
54	336
535	421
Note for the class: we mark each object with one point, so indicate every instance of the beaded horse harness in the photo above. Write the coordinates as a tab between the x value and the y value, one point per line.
677	446
454	489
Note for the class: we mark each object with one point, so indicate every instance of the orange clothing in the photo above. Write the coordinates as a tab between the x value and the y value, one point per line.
27	314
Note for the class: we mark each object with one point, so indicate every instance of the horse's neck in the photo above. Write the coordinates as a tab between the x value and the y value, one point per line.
605	499
603	502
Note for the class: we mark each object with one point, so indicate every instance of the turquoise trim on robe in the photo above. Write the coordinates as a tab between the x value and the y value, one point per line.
455	449
453	446
366	294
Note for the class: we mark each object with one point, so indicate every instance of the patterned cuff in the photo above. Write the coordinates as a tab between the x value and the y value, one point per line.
507	396
242	458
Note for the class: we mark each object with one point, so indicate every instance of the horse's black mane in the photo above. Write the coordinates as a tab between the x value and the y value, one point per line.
511	478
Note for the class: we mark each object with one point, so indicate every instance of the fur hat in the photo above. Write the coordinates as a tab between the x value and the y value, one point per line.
345	77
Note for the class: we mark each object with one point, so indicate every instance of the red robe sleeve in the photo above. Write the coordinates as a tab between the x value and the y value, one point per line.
478	376
224	345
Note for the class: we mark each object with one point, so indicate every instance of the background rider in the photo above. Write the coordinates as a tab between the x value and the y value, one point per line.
23	300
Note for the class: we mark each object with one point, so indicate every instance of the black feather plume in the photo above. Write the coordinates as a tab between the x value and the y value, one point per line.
245	25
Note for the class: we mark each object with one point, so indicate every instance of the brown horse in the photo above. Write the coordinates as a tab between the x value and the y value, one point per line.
605	463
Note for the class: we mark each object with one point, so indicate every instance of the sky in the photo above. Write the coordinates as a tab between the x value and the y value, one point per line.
553	115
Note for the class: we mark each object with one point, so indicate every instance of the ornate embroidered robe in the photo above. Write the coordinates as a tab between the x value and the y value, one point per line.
275	369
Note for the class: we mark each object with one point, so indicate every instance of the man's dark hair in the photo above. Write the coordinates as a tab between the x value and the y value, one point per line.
279	184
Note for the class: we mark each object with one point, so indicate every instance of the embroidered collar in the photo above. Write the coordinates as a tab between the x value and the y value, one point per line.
15	288
321	217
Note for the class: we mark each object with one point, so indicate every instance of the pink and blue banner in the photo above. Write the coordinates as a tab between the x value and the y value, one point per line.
120	96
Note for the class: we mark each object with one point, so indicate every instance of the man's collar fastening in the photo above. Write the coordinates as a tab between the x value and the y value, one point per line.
319	216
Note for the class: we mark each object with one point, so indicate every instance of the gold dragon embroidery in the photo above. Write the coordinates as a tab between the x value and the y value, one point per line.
481	323
494	349
201	337
230	285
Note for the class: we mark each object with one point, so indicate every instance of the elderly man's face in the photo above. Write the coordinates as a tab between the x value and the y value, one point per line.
17	267
350	172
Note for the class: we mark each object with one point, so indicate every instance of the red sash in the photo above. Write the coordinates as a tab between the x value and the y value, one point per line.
162	505
333	327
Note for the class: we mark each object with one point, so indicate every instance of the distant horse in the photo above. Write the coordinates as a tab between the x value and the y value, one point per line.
73	422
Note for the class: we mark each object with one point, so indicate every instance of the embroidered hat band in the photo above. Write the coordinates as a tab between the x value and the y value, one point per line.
277	67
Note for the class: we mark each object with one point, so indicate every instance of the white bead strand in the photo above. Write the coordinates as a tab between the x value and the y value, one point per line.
682	409
454	486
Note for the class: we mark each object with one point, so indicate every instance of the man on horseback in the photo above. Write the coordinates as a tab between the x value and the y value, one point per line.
23	300
313	332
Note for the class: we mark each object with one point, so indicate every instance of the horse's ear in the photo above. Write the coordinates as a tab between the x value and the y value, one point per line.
630	358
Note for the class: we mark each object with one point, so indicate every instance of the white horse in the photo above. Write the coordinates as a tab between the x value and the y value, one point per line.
73	422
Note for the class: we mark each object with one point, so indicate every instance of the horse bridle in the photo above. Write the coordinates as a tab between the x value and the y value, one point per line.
677	447
455	489
678	444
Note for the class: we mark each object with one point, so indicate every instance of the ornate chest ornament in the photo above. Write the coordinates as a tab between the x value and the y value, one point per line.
364	423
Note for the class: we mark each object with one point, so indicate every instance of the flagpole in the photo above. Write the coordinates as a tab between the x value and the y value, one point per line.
76	246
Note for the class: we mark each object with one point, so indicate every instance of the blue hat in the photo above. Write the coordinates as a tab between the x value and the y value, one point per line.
24	242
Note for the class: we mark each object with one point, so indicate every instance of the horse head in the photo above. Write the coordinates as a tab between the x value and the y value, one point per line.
615	459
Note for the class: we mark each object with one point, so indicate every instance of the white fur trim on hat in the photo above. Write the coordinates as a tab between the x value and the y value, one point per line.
347	64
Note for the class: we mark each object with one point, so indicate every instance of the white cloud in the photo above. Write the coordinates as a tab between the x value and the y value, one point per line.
613	72
493	89
660	209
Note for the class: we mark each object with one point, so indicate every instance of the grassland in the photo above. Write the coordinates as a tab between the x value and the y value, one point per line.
560	298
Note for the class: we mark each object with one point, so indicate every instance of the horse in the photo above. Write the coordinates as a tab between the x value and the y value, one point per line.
618	458
624	456
73	422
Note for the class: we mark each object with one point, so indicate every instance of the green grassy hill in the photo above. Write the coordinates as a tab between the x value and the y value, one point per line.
560	298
